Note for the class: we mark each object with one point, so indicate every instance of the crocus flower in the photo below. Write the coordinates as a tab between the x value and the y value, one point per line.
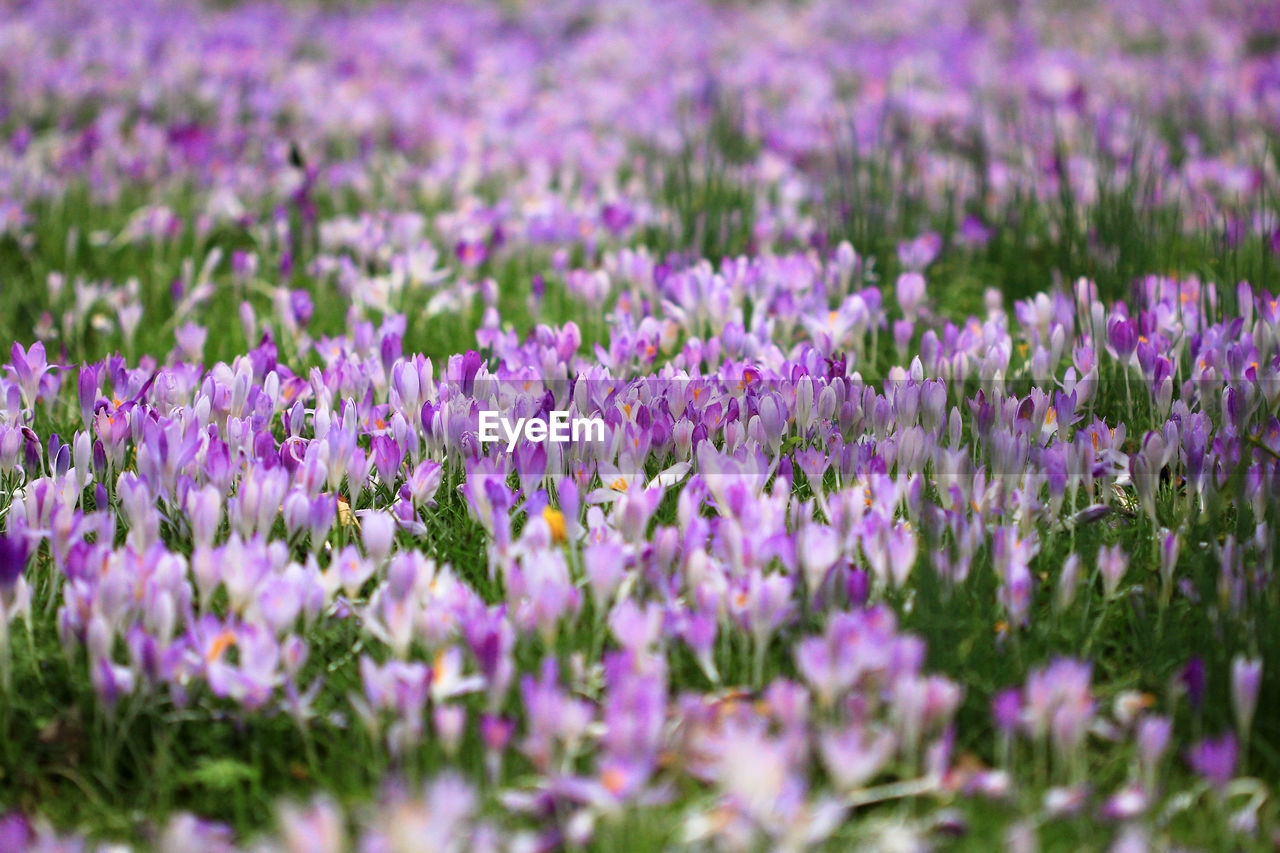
14	552
1246	678
1006	710
30	367
1153	734
910	291
377	531
1122	338
853	755
1068	580
1058	702
1112	563
1214	759
818	554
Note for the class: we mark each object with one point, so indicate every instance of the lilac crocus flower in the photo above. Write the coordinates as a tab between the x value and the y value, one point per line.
30	367
15	832
762	603
853	756
1112	563
1068	580
1215	760
819	552
919	253
910	290
1059	702
1006	709
1122	338
14	552
1152	738
377	532
388	456
1246	678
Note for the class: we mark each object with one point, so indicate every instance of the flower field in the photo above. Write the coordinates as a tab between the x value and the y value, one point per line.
936	365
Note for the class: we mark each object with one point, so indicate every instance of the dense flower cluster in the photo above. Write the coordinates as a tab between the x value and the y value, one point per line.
726	613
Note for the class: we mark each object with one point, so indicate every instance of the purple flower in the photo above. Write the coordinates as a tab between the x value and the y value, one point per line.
15	832
910	291
1215	760
1006	709
972	232
1122	338
30	367
388	456
301	307
1059	702
919	253
14	551
1193	679
636	627
853	756
1246	678
1153	734
1112	563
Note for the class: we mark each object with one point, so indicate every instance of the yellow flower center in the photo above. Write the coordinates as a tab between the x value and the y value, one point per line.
555	520
220	644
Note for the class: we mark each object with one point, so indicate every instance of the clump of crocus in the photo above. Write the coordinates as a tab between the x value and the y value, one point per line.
1058	706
